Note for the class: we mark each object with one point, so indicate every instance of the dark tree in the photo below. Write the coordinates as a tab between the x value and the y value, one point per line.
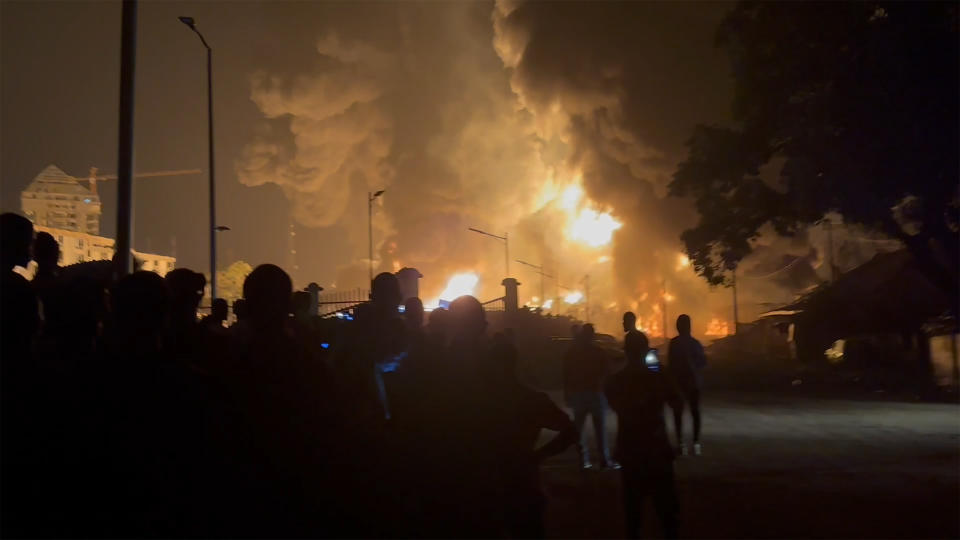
856	104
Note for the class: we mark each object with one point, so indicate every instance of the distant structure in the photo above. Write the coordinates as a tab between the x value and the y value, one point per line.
56	199
78	247
69	209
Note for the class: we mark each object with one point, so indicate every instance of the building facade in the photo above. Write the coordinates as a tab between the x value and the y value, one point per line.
56	199
78	247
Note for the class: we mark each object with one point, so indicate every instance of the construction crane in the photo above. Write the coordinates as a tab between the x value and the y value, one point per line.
94	178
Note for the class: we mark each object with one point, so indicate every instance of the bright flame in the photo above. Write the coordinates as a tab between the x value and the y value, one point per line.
602	259
571	197
682	261
535	299
548	304
460	285
573	298
668	297
716	327
593	228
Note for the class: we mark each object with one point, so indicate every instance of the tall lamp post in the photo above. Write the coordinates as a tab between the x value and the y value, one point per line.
128	64
539	270
370	198
506	246
213	200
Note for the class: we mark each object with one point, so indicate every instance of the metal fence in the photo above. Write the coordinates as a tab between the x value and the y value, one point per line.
497	304
333	302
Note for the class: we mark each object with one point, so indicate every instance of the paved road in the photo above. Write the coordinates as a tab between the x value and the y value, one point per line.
778	467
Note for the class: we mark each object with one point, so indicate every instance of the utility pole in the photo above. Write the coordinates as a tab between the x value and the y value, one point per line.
736	315
212	183
370	198
506	246
506	252
539	270
128	64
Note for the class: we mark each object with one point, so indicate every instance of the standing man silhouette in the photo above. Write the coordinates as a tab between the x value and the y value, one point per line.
685	362
638	396
585	367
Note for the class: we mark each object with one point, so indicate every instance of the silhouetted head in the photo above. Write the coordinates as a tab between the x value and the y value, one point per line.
629	321
385	292
635	346
139	303
300	303
46	251
587	333
16	234
413	312
185	290
683	325
439	323
575	331
240	309
219	309
467	318
267	291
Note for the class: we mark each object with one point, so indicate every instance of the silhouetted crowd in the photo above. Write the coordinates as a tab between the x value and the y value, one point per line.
123	414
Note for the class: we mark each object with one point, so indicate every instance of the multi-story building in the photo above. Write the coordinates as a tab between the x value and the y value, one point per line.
56	199
77	247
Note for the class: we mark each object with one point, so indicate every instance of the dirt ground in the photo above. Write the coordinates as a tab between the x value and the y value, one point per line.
779	466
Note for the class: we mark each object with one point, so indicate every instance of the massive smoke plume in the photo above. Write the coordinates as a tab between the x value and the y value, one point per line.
550	121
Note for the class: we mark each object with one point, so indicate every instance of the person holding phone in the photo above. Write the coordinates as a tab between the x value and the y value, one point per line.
638	395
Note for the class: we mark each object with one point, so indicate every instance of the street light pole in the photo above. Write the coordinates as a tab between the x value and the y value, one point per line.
128	62
539	270
213	196
506	246
736	314
370	198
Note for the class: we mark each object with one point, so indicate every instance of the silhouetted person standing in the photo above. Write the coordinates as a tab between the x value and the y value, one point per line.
278	396
585	368
629	322
638	396
183	338
20	322
46	252
145	465
685	362
218	315
522	413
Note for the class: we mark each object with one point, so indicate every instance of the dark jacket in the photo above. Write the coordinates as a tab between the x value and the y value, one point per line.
638	396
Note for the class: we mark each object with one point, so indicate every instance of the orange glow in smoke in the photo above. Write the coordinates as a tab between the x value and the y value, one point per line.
585	224
717	327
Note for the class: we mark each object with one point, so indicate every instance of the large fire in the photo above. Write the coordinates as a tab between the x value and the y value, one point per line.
458	285
573	297
593	228
585	224
718	328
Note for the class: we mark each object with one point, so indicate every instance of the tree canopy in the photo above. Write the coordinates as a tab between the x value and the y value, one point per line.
854	108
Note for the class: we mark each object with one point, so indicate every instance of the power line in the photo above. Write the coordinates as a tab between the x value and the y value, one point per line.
775	272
